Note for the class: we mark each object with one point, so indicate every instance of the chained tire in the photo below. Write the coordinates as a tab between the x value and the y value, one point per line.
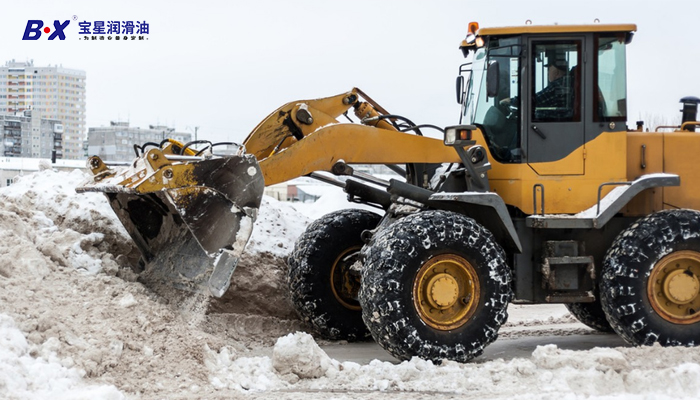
435	285
591	314
322	286
650	289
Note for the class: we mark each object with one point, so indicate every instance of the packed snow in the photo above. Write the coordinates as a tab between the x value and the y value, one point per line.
75	323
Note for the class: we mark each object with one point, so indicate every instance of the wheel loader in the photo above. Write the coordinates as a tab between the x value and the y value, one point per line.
540	194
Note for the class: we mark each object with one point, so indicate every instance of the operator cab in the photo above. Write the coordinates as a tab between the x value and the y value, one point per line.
536	95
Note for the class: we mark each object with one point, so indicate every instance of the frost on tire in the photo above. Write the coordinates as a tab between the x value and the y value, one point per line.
650	289
323	290
434	285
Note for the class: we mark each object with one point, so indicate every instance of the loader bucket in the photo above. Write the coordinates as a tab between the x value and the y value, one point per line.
190	217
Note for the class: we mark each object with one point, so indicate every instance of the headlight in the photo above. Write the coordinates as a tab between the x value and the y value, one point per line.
459	135
450	136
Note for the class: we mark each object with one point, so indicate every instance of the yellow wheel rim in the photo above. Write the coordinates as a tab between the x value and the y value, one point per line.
674	287
345	285
446	292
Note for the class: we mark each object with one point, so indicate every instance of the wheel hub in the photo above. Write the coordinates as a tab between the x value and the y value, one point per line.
446	292
681	287
674	288
443	291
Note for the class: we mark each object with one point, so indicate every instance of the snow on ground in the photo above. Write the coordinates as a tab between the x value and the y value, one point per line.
550	373
75	323
46	376
334	199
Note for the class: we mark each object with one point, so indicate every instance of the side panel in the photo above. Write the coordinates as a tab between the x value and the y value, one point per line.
682	157
645	155
606	161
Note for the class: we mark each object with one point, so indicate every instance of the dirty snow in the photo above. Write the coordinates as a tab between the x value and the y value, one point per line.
75	323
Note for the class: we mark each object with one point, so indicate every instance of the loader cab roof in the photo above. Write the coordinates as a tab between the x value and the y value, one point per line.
535	29
476	36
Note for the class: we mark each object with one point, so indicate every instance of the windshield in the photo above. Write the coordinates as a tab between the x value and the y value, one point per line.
498	117
474	84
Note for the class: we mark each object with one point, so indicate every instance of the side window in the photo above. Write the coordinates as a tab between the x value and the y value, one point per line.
611	101
556	92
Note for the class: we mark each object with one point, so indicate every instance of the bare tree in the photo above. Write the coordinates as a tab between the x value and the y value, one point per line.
653	121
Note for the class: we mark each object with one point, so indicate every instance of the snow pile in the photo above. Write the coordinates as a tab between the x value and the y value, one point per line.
227	371
43	211
67	283
278	226
551	373
298	354
46	230
295	356
23	376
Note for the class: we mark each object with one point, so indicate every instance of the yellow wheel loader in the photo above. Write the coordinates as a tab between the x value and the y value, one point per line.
541	194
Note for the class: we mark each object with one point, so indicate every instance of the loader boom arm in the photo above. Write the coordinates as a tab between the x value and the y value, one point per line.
305	136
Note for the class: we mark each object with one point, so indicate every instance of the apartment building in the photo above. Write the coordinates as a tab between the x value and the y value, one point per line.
27	134
55	92
116	141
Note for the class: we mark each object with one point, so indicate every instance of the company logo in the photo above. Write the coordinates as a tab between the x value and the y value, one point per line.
33	30
88	30
117	30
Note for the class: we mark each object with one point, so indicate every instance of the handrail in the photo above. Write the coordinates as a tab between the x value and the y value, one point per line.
667	127
534	198
688	123
600	189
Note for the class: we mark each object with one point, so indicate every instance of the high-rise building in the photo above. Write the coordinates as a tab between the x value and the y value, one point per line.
27	134
116	141
55	92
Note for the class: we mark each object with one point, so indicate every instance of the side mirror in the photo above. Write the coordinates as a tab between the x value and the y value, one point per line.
460	89
492	79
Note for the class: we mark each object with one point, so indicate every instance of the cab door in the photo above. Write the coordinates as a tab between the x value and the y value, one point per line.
553	120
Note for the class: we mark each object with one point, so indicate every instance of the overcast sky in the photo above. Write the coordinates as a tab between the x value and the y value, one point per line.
224	65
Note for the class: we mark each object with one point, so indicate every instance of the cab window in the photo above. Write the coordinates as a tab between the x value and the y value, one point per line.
556	94
611	100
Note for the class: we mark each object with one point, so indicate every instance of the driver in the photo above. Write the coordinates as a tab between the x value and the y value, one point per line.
556	93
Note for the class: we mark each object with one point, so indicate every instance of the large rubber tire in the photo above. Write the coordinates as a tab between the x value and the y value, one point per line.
650	289
591	315
322	290
441	259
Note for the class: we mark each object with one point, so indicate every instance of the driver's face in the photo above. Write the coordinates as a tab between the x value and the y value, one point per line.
553	73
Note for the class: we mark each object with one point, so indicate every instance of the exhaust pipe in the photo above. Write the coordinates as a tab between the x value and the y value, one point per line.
690	111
